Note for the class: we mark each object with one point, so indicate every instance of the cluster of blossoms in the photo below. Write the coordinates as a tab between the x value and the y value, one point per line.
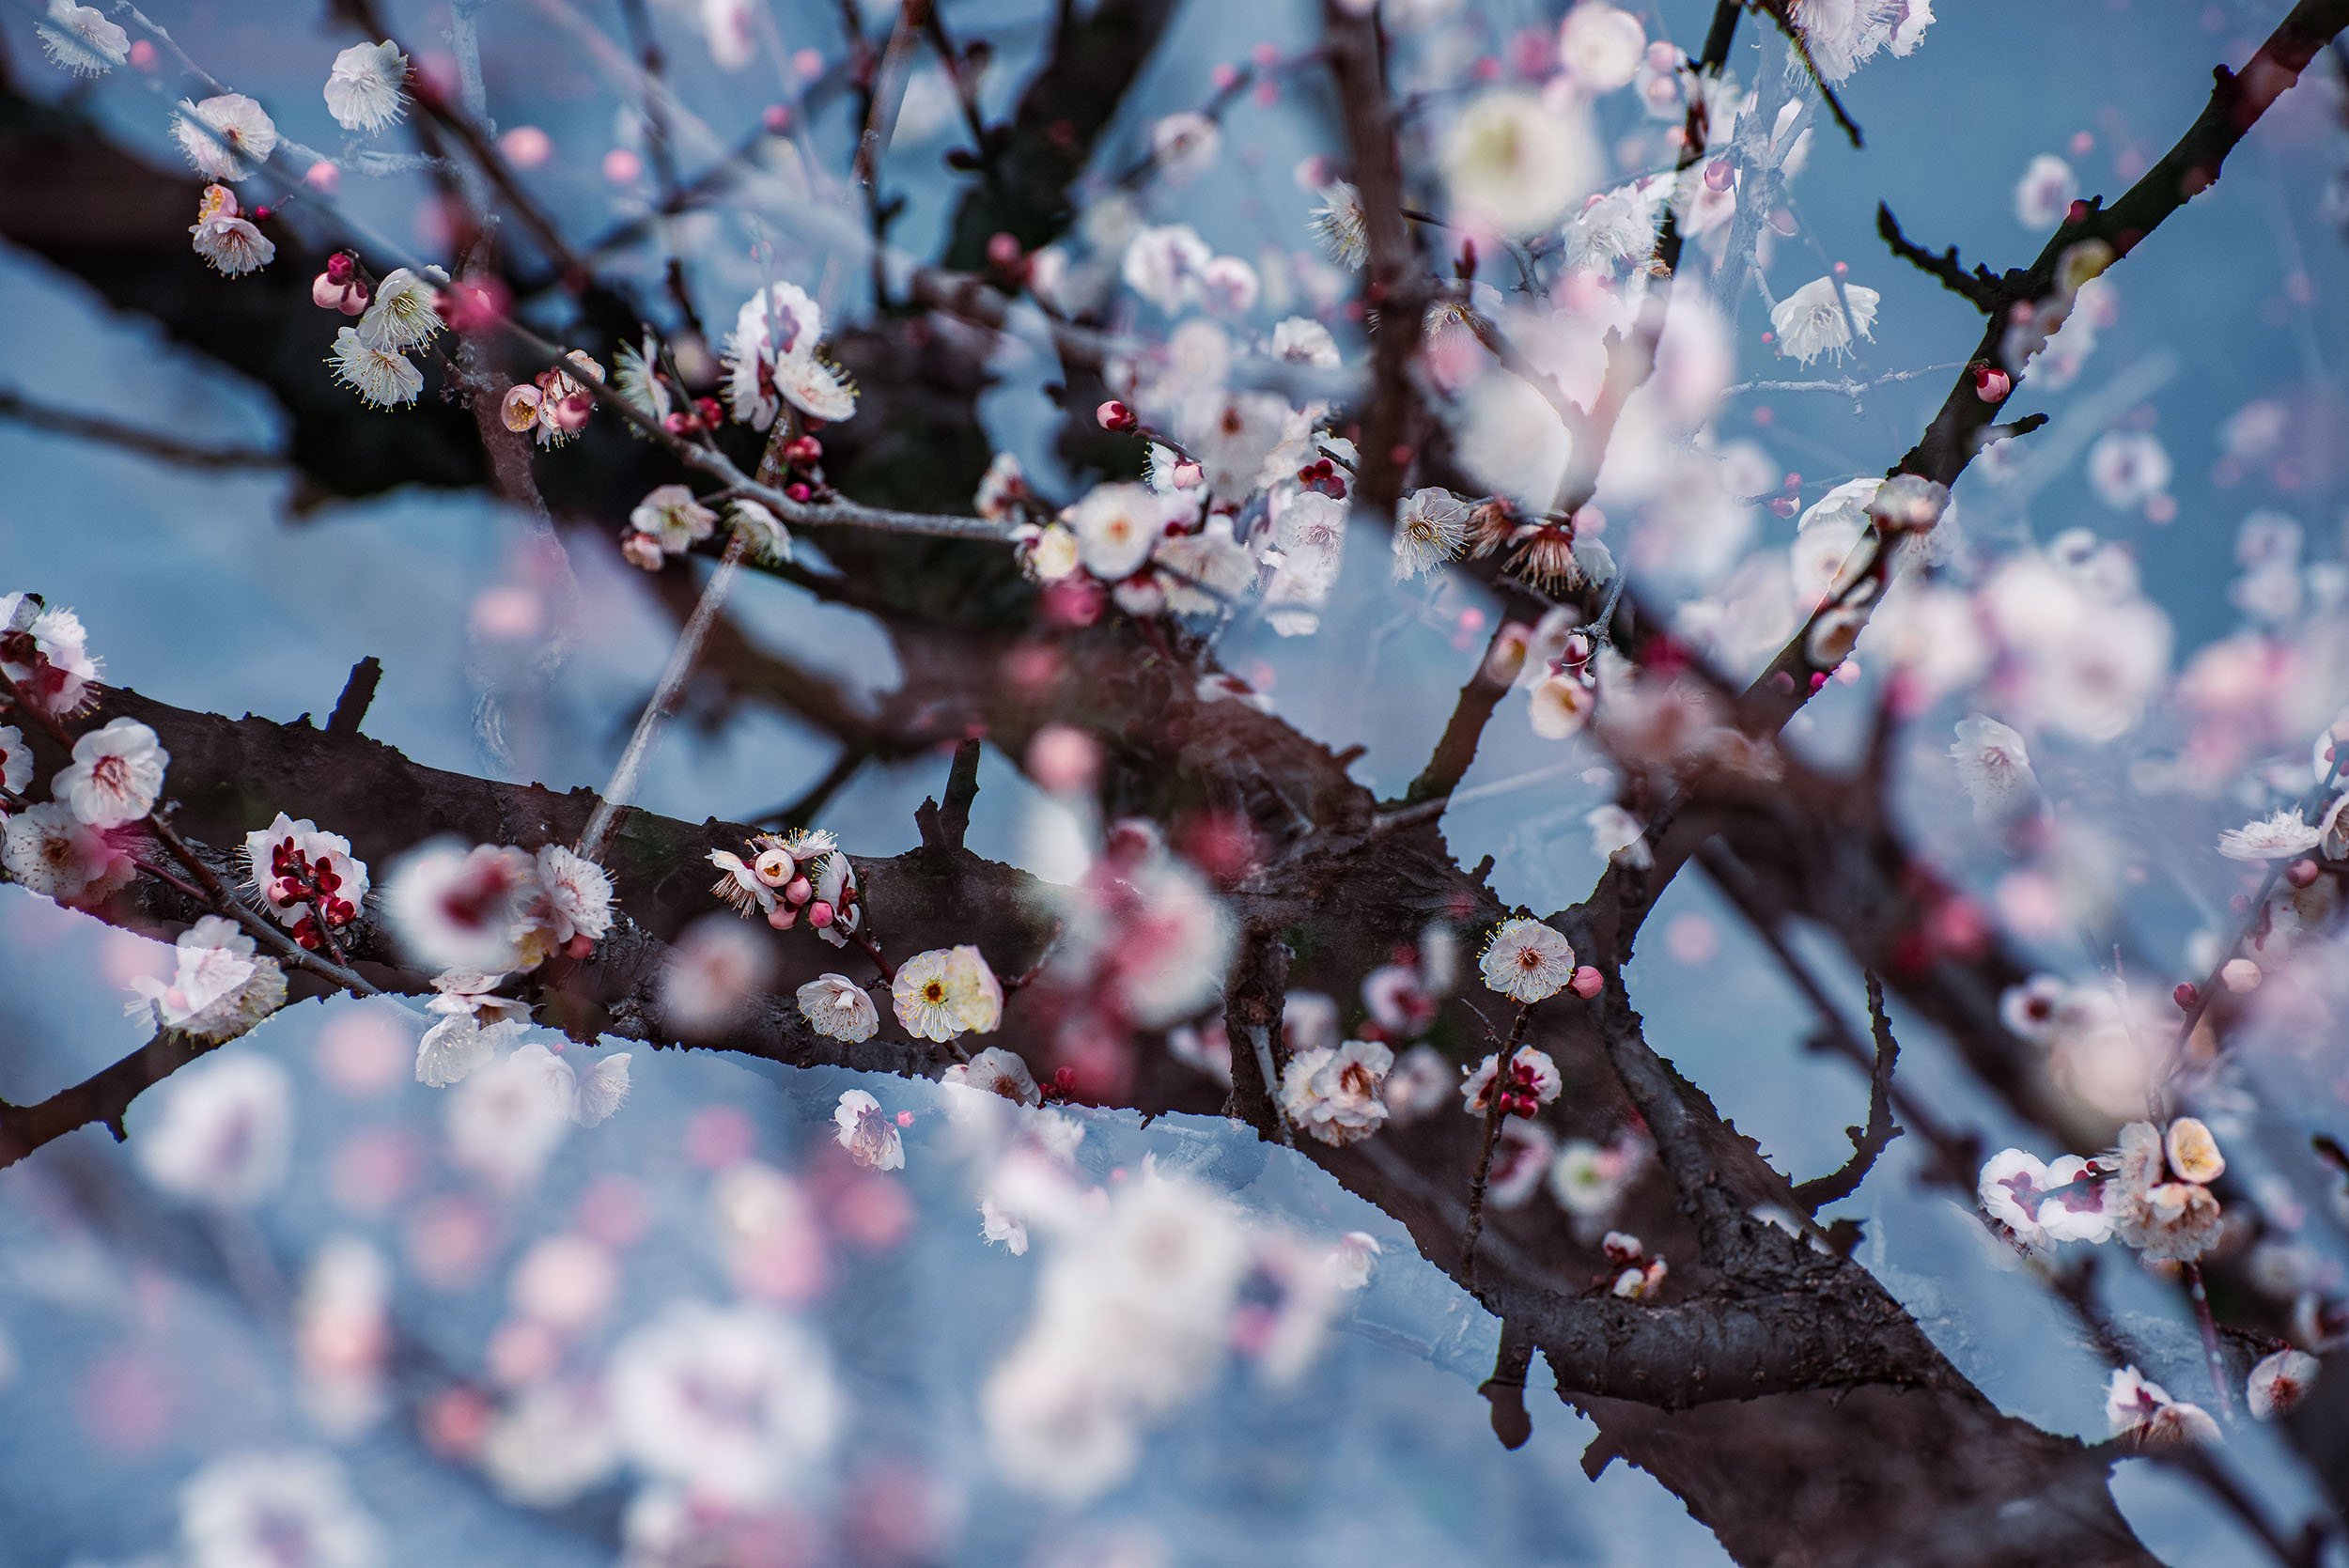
553	406
68	848
480	915
1637	1277
2154	1193
1145	1290
774	356
790	876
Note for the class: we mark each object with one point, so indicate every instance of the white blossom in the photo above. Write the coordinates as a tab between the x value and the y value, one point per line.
2044	195
1335	1095
291	1509
574	898
1530	1070
2280	1381
381	378
225	137
456	908
869	1132
1601	47
1516	164
837	1007
1339	226
1812	320
218	988
2281	835
52	852
115	776
996	1071
366	89
1994	769
79	38
404	314
2142	1411
222	1131
1430	527
736	1401
1117	526
1527	960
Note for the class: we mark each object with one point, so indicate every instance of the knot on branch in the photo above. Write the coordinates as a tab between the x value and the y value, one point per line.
1981	288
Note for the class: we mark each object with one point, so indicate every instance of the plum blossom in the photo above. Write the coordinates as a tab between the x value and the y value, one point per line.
2279	1382
80	40
1340	227
405	314
1514	163
1812	320
1430	528
16	763
869	1132
45	654
290	1509
1588	1179
1533	1082
1601	47
2044	194
1334	1094
2066	1199
225	239
382	378
574	898
2128	468
996	1225
712	975
2169	1219
459	908
837	1008
225	137
115	776
507	1117
1527	961
464	1039
923	998
1994	769
2283	834
736	1401
222	1132
50	852
1118	525
1843	35
772	358
996	1071
586	1099
218	988
1167	266
294	866
2143	1412
366	88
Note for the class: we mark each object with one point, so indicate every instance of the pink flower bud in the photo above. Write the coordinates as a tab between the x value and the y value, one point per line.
2302	873
579	946
641	550
1116	415
1992	385
819	914
1719	175
1587	982
782	917
325	292
2186	996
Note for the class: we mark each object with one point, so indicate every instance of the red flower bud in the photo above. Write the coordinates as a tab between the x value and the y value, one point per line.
1116	416
2186	996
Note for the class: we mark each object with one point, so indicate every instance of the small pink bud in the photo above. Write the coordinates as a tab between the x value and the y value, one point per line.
1588	981
2302	872
2186	996
905	1118
325	292
1718	176
1116	415
797	890
819	914
579	946
262	214
776	118
782	917
340	266
355	297
1003	250
1992	385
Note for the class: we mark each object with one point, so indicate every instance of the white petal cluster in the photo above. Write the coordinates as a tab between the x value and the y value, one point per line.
1527	960
218	988
226	137
1334	1094
115	774
774	358
1823	317
366	88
